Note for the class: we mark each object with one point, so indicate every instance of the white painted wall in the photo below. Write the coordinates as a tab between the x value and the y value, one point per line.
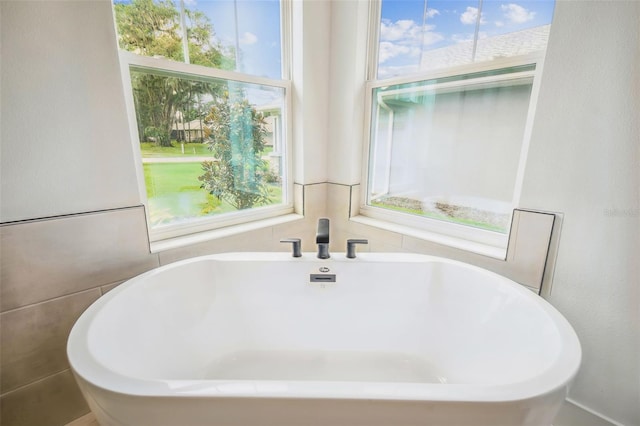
65	141
310	69
584	161
347	62
479	159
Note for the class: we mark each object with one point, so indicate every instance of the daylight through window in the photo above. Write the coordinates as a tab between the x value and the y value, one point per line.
450	109
210	101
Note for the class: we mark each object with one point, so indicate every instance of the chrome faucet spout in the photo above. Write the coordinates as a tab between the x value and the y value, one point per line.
322	238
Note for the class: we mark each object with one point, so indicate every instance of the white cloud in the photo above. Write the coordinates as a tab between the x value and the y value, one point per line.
499	24
517	14
407	32
248	38
390	50
405	38
432	12
470	16
431	37
399	30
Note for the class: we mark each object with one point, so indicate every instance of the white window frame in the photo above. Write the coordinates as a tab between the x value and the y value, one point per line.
485	242
178	69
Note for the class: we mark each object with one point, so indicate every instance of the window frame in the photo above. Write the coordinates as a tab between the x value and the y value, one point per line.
130	60
486	242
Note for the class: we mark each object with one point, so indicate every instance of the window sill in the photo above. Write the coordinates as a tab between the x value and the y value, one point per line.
434	237
200	237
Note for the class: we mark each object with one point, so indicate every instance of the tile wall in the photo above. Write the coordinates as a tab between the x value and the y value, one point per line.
51	271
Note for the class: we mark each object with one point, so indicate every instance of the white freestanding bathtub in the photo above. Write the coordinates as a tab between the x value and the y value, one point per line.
248	339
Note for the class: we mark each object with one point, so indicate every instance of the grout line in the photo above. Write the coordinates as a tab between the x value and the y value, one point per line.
114	284
88	419
327	183
593	412
341	184
36	381
546	264
68	215
31	305
312	184
148	231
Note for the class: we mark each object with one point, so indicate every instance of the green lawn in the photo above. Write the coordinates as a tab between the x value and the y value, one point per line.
432	215
151	150
169	178
174	193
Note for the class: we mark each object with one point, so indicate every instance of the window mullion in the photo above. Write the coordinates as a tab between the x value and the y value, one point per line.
170	67
185	34
375	14
477	31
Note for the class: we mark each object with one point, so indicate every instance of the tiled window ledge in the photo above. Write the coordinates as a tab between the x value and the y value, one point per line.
200	237
459	243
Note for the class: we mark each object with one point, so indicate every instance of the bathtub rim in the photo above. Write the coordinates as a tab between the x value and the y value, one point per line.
558	376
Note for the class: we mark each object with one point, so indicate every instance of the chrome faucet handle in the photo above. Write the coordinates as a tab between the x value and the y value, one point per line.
322	238
351	247
296	244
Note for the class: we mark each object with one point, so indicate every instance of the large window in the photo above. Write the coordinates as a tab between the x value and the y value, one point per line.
451	97
209	95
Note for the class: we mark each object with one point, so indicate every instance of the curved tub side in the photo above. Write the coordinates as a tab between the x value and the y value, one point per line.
117	399
117	409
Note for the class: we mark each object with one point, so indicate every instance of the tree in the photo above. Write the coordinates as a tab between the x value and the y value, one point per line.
149	28
237	132
152	28
158	98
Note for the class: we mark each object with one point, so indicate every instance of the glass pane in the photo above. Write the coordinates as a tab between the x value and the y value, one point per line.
252	29
421	35
241	35
400	38
449	148
208	146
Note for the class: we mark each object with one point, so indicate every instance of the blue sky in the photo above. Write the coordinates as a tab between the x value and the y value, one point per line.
258	37
403	36
258	31
405	31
